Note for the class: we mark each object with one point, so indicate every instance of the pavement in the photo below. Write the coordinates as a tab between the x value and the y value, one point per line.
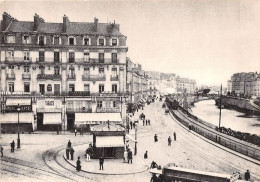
111	166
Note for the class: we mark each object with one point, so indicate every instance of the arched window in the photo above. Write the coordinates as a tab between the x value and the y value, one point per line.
101	41
71	40
114	41
86	41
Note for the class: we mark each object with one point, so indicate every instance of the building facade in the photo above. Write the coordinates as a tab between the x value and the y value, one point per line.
185	84
67	72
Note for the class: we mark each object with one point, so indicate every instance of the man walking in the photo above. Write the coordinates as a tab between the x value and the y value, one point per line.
12	146
146	155
169	141
146	121
69	144
75	131
149	122
71	153
101	162
143	122
68	153
78	166
130	156
2	151
174	135
247	175
131	124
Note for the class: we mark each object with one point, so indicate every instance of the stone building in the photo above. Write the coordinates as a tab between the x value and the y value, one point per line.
63	73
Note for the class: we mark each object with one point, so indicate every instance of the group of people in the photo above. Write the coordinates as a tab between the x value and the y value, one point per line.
70	151
128	154
169	138
146	121
76	131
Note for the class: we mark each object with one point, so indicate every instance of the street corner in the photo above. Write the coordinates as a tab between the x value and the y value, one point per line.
111	166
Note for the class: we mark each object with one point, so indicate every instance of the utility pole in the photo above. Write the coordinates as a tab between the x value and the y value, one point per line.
220	103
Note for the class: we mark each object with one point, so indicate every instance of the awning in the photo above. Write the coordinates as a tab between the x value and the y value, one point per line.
52	118
97	118
26	117
16	101
110	141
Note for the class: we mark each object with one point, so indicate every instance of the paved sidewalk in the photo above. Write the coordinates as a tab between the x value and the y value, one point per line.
111	166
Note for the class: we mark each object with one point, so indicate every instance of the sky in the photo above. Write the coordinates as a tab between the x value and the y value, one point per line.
205	40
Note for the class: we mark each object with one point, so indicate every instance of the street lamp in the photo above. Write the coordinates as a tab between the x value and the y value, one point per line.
18	139
136	125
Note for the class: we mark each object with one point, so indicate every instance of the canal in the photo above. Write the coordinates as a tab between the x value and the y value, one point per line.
209	112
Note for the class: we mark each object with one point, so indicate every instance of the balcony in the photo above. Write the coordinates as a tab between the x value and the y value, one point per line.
93	77
108	109
10	76
48	60
11	60
71	77
48	77
83	109
26	76
79	93
114	78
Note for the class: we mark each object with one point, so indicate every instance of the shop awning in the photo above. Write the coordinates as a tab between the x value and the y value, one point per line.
52	118
13	117
110	141
97	118
16	101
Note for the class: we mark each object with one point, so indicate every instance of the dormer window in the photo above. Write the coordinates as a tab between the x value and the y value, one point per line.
72	41
10	39
114	42
86	41
26	39
101	41
41	40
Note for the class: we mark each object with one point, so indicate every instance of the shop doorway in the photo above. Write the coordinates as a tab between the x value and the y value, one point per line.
70	122
39	121
109	152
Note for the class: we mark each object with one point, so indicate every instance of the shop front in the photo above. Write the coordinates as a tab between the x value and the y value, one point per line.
17	114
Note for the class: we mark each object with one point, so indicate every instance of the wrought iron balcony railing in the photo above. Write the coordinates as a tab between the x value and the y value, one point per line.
114	78
93	77
26	76
48	77
71	77
79	93
10	76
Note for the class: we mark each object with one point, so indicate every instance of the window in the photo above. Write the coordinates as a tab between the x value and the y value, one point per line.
56	40
56	70
114	88
41	40
11	70
86	71
56	57
10	39
26	87
11	87
42	89
71	57
86	87
71	41
86	41
114	103
101	41
108	104
71	71
114	72
114	57
101	72
101	88
26	39
99	104
42	69
114	42
86	56
49	88
101	57
71	87
26	69
26	55
41	56
10	55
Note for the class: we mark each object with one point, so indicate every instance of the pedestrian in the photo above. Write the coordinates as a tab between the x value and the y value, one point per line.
69	144
12	146
81	131
2	151
130	156
89	153
154	178
68	153
247	175
75	131
174	135
149	122
155	138
153	165
169	141
134	125
101	162
131	124
71	153
58	129
143	122
78	166
146	155
146	121
127	128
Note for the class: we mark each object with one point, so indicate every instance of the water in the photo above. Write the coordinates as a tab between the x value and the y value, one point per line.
209	112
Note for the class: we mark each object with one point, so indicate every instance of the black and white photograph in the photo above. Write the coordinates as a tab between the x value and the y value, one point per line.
130	90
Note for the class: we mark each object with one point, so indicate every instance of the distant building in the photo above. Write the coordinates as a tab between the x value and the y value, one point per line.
185	84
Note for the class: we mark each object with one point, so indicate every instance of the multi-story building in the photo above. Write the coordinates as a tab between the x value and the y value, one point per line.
69	74
246	84
185	84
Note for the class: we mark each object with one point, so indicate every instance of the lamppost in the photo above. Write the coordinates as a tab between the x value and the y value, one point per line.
18	139
136	125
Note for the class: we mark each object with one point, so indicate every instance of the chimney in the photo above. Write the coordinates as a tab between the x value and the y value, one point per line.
95	24
37	21
116	26
7	19
65	23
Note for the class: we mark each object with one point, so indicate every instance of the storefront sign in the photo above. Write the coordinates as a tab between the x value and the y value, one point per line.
27	108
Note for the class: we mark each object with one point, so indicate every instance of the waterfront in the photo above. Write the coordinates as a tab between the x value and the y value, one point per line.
208	111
